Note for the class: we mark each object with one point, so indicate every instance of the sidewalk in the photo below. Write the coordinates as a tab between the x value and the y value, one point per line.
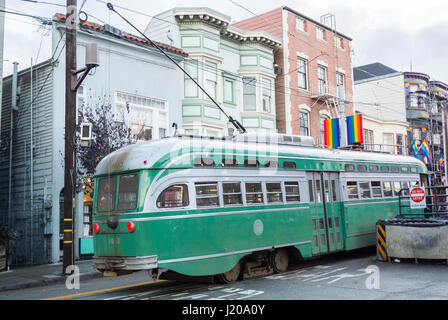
42	275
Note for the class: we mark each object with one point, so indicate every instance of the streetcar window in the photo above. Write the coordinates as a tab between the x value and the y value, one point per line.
311	190
292	191
107	191
376	189
318	193
254	192
352	190
384	169
270	164
204	162
174	196
349	167
289	165
274	192
395	169
397	188
362	168
127	192
227	162
232	193
251	163
373	168
405	187
404	169
387	189
207	194
364	187
413	169
333	189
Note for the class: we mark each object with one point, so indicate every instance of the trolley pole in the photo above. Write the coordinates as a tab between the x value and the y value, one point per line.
70	118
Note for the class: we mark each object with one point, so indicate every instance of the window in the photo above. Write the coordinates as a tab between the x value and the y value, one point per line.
373	168
232	193
304	126
388	139
174	196
251	163
302	70
405	187
292	191
404	169
364	187
414	169
254	192
107	191
384	169
211	75
399	143
338	42
368	139
352	190
127	192
207	194
228	91
397	188
190	88
395	169
320	34
289	165
274	192
322	79
376	189
266	84
349	167
300	24
322	129
362	168
311	190
340	84
249	93
227	162
387	189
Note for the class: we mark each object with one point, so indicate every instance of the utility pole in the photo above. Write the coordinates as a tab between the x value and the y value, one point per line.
70	118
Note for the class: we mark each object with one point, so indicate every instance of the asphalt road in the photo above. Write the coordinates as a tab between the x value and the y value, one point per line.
345	276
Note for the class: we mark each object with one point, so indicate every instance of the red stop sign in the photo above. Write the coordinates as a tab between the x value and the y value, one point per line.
417	194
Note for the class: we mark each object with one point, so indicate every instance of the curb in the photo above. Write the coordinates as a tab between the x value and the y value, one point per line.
46	282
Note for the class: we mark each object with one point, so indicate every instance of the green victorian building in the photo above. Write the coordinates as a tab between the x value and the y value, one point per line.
235	66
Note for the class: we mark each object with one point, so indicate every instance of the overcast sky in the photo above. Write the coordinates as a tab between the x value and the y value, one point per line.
393	32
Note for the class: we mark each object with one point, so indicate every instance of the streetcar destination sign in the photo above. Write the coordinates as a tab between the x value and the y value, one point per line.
418	197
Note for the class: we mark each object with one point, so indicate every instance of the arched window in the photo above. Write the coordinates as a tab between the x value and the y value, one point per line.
173	196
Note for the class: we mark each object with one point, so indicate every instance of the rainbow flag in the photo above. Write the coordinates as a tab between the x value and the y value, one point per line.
442	164
354	129
424	148
331	133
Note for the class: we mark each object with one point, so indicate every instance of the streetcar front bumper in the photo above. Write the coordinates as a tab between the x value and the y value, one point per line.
125	263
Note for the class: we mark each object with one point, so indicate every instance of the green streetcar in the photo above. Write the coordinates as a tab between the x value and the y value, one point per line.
239	207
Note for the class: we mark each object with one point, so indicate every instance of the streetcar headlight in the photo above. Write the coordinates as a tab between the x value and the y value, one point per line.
130	226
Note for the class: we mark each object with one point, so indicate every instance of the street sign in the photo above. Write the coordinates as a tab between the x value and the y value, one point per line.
418	197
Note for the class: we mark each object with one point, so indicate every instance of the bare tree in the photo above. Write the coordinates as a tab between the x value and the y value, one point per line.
110	132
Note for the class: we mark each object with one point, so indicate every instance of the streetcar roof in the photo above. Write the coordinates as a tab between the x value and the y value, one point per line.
147	155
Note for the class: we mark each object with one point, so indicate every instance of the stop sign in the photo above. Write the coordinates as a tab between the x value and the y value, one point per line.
417	196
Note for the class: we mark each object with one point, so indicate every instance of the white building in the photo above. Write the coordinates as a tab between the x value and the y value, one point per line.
131	72
379	95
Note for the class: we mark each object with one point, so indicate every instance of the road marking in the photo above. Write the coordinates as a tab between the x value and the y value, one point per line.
102	290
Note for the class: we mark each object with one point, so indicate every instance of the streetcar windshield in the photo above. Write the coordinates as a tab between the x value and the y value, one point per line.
117	193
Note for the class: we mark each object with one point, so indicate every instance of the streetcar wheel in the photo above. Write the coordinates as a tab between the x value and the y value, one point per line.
280	260
230	276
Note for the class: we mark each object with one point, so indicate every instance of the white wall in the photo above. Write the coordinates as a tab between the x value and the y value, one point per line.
125	67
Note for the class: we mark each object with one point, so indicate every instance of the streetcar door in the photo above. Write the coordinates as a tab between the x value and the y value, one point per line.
325	197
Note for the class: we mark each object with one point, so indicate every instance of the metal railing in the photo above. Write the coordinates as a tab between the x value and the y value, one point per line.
436	198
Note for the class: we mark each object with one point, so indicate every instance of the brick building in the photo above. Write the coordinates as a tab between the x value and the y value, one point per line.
314	65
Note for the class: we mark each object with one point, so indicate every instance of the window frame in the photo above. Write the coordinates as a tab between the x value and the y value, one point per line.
304	115
254	193
174	207
207	183
252	82
302	73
